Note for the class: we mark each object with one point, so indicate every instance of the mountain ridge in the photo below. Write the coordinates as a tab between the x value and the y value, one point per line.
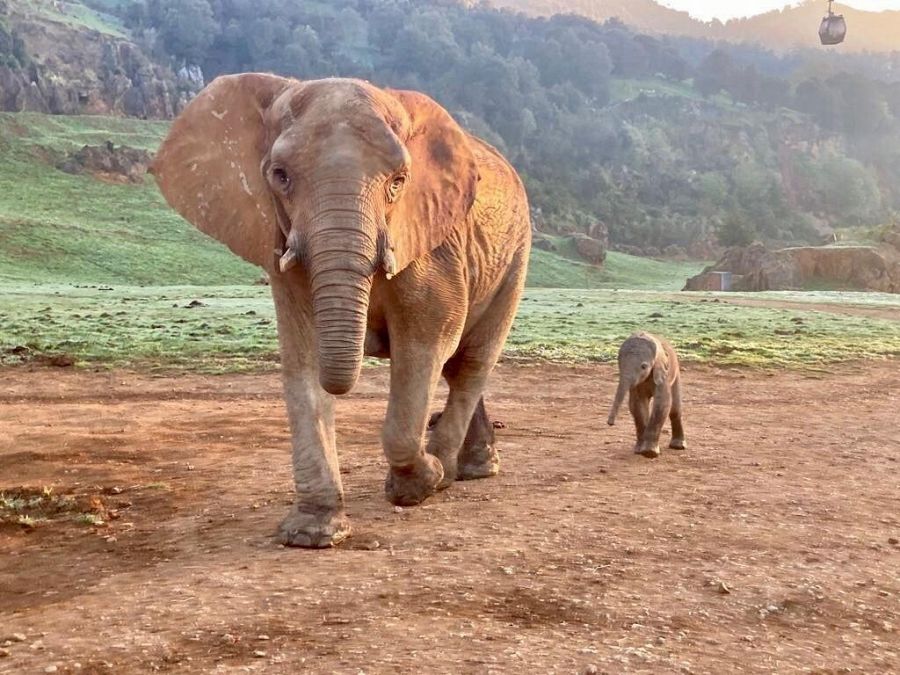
788	28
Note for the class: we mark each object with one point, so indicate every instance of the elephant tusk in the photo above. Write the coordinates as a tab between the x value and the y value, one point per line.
288	260
390	264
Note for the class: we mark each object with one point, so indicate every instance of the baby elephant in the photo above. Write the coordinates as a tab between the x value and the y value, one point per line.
648	368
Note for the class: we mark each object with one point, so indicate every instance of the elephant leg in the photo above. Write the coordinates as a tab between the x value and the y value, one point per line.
464	424
639	405
463	436
317	518
677	441
648	446
413	475
478	457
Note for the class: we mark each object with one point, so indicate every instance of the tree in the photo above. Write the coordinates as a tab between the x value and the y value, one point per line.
187	28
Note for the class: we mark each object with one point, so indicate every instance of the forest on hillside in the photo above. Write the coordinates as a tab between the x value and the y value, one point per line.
668	141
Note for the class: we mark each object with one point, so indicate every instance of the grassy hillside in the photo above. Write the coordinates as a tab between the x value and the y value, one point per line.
72	13
56	227
551	270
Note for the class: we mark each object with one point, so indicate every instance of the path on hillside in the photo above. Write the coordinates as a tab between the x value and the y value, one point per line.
770	545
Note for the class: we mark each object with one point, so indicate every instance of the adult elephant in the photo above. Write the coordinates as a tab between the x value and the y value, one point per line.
396	235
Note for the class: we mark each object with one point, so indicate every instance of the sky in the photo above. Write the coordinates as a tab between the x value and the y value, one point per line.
729	9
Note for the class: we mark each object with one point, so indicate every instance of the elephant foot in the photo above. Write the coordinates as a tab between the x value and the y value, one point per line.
677	444
651	451
313	529
449	468
410	486
482	461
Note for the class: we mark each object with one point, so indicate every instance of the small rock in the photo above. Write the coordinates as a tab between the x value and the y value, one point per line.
3	652
259	654
591	670
18	637
264	637
398	509
51	669
722	588
893	541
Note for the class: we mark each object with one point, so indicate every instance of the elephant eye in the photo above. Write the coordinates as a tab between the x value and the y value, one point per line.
395	187
281	178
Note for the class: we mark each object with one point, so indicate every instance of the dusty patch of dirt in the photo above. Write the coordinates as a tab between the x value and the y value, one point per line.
770	545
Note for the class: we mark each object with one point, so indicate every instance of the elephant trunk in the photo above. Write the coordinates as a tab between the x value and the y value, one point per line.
341	255
617	402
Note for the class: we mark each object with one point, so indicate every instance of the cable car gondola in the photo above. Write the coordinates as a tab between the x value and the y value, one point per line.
833	28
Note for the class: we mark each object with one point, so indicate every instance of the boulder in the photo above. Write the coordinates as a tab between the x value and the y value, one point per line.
542	242
592	250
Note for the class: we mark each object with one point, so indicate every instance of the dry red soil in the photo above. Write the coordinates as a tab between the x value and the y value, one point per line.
770	545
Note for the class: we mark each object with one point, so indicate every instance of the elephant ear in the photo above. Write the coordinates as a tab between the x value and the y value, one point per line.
208	167
442	184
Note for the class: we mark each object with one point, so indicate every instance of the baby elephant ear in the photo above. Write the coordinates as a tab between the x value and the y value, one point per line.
208	167
442	183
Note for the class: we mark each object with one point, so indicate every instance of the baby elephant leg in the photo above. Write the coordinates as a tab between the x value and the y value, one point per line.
677	441
639	405
648	445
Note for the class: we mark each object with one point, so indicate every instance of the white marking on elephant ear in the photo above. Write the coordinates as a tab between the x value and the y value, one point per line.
245	184
208	133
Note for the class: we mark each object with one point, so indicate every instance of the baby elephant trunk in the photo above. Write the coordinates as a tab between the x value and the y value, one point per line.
617	402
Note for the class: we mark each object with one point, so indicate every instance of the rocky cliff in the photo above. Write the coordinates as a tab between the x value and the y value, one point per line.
72	68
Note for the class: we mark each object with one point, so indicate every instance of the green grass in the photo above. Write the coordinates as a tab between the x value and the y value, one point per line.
105	273
233	329
55	226
628	89
586	325
564	268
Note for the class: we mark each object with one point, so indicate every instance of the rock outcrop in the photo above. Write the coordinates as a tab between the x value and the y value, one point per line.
755	268
74	70
108	162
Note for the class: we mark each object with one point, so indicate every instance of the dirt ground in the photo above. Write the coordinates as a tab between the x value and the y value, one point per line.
770	545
